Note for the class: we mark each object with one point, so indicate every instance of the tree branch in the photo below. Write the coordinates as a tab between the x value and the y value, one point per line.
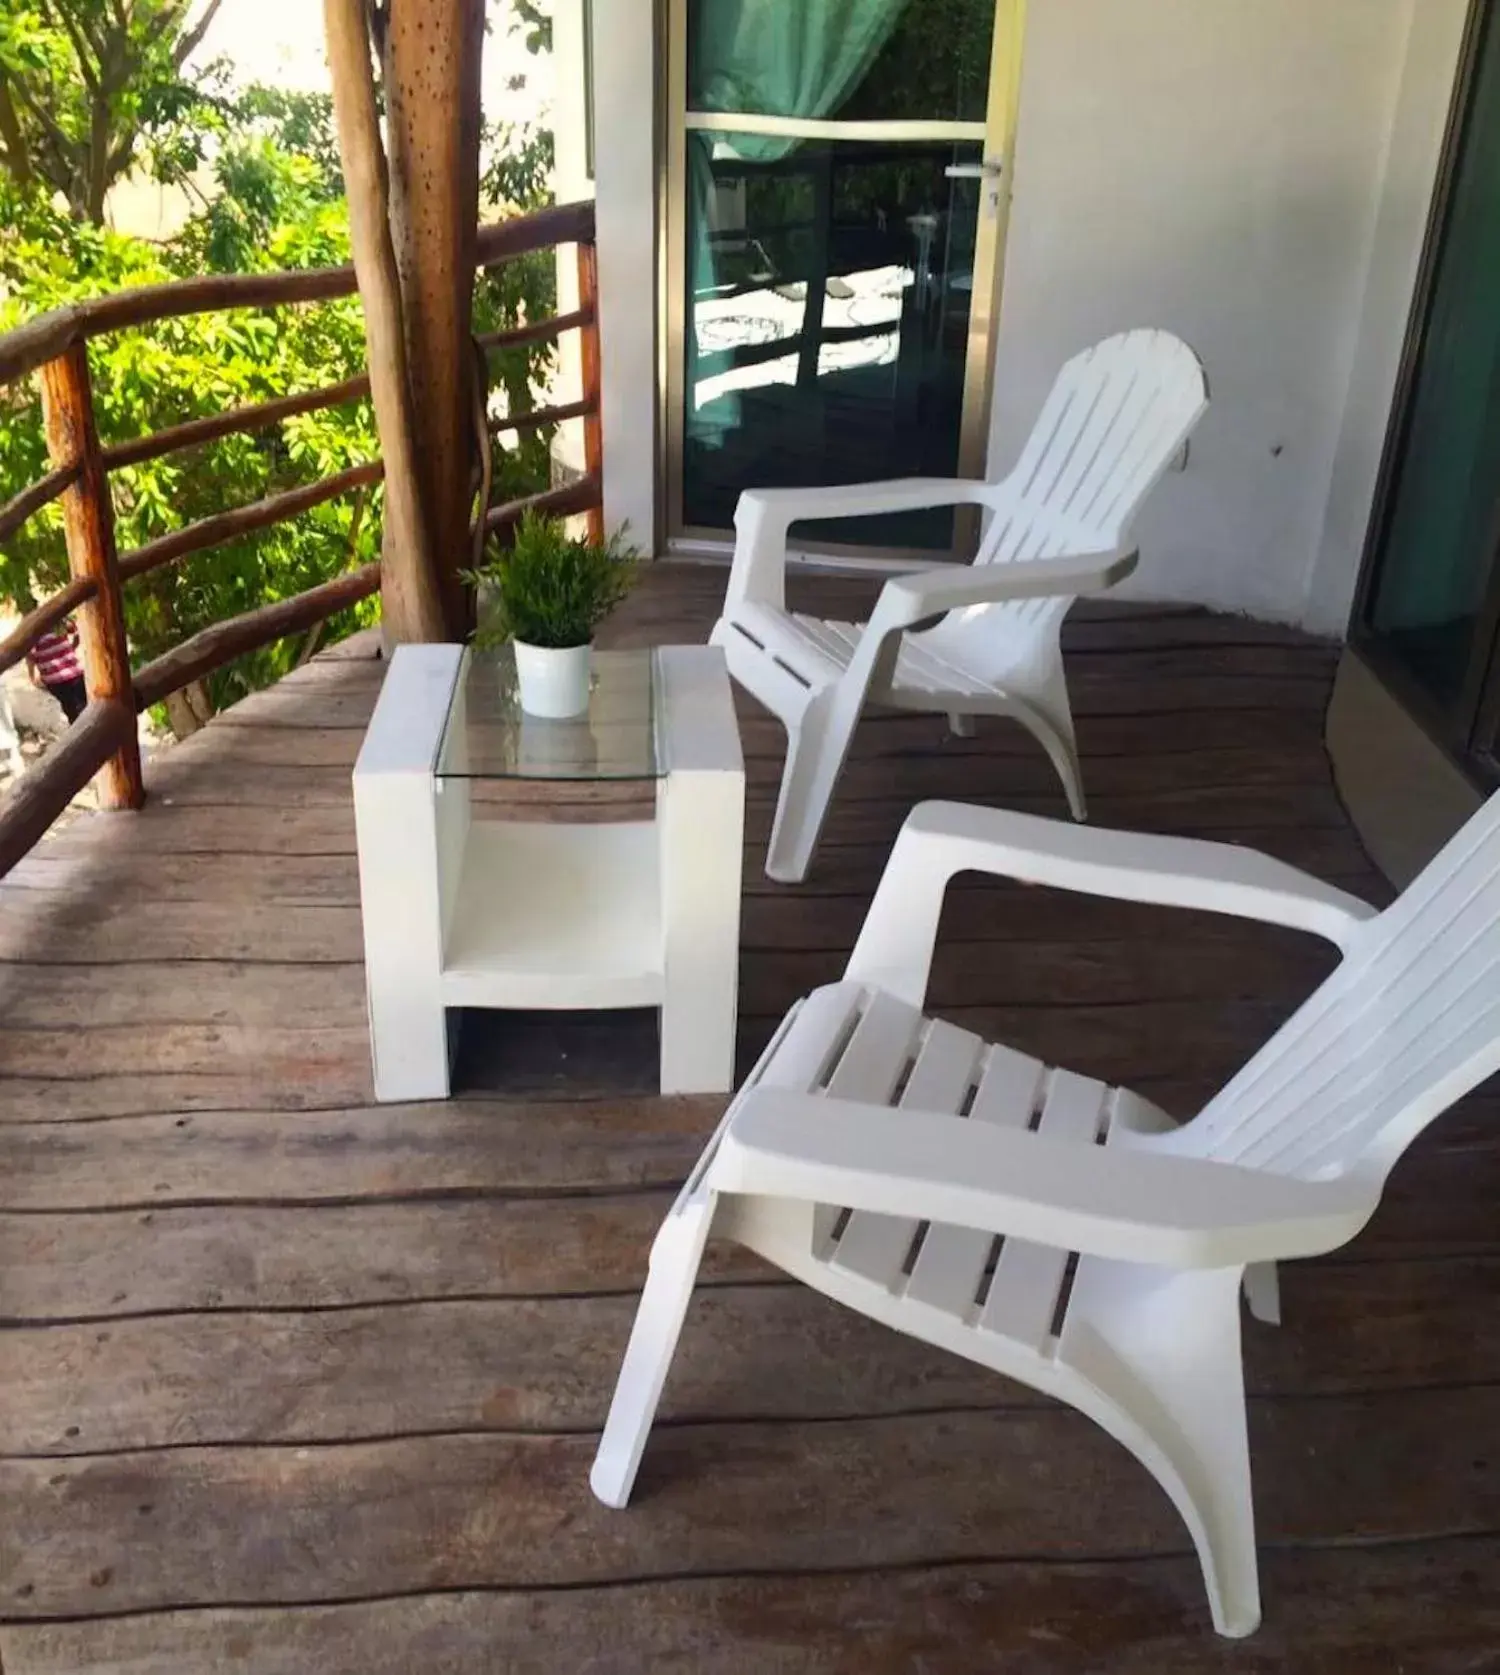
194	36
55	143
18	157
99	176
64	20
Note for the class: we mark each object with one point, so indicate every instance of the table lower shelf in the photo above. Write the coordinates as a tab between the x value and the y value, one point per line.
556	917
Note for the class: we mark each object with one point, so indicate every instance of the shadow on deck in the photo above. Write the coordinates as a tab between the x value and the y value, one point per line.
293	1383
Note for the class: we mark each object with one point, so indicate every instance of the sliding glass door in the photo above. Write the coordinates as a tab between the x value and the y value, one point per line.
1430	607
838	179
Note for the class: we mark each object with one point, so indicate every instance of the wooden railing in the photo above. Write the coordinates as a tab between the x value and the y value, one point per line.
104	739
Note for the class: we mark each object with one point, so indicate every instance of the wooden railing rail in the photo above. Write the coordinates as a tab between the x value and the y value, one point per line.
56	346
21	506
175	438
213	647
46	337
245	520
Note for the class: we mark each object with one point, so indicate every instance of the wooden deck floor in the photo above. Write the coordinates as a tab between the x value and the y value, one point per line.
292	1384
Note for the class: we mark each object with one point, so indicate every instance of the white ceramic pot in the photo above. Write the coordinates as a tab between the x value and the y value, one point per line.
554	680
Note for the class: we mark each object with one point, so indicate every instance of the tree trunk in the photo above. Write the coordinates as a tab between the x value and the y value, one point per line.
431	55
411	592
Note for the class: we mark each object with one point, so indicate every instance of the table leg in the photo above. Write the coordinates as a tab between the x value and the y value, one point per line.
406	824
700	820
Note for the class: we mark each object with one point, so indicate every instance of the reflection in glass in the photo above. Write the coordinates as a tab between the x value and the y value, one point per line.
827	321
829	281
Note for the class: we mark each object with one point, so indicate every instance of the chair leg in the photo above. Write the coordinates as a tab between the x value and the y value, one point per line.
1062	745
1263	1292
1162	1372
815	752
1226	1544
648	1356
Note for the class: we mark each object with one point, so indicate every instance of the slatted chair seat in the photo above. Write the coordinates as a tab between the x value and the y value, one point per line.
1063	1232
851	1042
981	639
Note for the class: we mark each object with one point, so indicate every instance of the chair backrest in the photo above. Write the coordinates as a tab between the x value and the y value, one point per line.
1117	417
1408	1023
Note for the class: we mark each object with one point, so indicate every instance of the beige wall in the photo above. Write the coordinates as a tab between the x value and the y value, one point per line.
1218	167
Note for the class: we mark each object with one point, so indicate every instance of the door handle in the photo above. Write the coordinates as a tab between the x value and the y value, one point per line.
990	172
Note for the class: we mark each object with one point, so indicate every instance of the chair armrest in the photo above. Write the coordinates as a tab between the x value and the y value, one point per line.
907	600
895	945
927	593
762	518
1130	1204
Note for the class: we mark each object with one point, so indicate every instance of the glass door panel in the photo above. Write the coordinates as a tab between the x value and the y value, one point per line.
839	217
1430	606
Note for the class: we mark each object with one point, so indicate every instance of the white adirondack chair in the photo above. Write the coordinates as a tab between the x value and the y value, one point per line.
1058	525
943	1185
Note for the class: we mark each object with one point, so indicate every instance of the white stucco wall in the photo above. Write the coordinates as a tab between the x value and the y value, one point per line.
1217	167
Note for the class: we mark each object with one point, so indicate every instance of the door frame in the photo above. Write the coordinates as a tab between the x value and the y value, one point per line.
1454	729
997	133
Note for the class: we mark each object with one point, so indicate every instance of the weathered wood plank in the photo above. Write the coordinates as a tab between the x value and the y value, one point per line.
969	971
279	1256
1003	971
71	998
758	1351
189	831
84	927
1350	1611
1139	1043
237	1255
199	1526
1208	811
335	1061
752	1352
317	761
336	1156
809	917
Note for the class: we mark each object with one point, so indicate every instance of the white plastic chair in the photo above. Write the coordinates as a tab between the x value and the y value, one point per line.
945	1186
1058	525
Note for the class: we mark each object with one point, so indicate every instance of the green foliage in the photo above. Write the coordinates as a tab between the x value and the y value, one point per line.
269	195
550	590
87	90
517	179
535	21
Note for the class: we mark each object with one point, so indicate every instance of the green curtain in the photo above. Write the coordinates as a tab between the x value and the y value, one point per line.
783	58
764	58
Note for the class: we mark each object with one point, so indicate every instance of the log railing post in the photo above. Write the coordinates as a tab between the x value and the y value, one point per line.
89	526
593	426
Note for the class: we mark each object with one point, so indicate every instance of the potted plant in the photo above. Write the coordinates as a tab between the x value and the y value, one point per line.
549	593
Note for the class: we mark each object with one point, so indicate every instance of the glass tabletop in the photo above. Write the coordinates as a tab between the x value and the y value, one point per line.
489	736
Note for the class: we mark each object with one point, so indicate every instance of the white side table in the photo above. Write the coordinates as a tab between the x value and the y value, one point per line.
481	887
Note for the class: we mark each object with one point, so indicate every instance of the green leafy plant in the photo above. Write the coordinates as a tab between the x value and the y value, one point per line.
551	590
